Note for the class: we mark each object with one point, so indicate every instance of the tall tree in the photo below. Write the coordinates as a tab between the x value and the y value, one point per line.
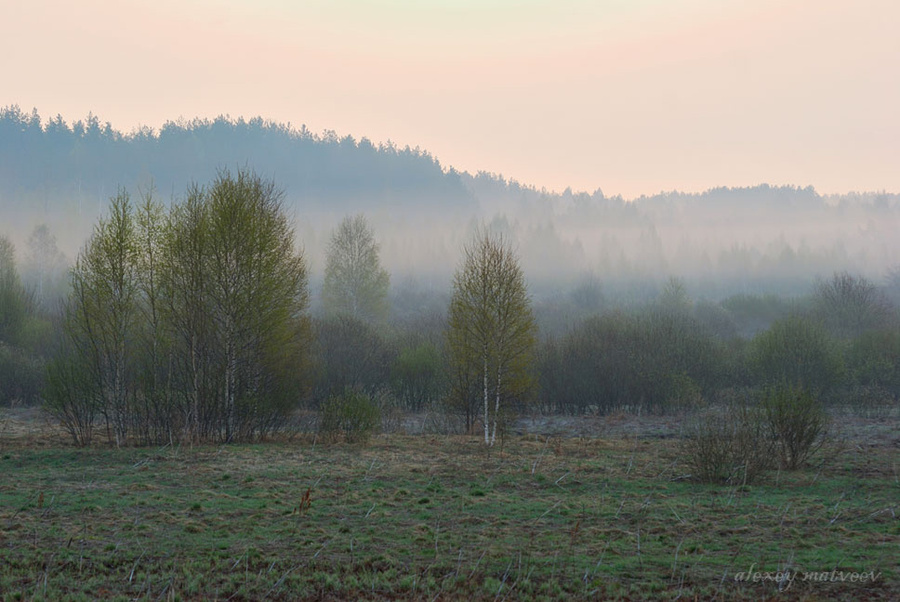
184	283
355	283
103	309
491	329
156	422
45	262
193	326
257	286
850	305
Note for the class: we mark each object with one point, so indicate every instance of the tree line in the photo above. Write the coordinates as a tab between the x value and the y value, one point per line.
193	322
727	240
58	161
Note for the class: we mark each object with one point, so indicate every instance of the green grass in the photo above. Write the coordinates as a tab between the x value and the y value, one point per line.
435	518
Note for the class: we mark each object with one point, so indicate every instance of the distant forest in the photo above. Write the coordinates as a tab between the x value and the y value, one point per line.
775	239
90	158
648	304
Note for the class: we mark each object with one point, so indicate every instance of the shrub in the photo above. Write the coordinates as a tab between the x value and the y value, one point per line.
755	313
797	423
850	305
798	351
21	376
417	376
71	396
349	354
873	359
351	416
654	360
727	445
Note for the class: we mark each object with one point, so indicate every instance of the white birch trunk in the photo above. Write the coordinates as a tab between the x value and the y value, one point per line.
487	423
496	404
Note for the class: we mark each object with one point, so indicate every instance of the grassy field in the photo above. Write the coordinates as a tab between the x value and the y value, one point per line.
442	518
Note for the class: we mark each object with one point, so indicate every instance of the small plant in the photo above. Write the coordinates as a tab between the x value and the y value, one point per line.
797	422
303	505
351	416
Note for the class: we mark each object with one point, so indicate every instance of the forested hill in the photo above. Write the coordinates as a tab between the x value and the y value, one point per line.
779	237
56	160
50	160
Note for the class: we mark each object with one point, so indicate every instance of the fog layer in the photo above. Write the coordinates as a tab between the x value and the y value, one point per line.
721	242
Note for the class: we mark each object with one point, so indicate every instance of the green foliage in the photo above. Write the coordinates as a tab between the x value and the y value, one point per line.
21	376
351	416
45	267
256	287
24	335
737	443
755	313
102	314
716	320
873	359
70	395
674	296
355	283
798	351
655	360
418	376
490	333
797	422
13	302
192	326
727	445
433	518
349	353
850	305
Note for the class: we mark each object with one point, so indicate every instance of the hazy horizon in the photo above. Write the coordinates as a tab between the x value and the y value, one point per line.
632	98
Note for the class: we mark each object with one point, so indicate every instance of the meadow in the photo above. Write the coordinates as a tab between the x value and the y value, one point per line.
607	513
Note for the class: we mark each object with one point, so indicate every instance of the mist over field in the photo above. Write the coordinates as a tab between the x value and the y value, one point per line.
725	241
449	300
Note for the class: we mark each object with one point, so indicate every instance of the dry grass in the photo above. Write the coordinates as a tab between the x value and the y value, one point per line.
437	517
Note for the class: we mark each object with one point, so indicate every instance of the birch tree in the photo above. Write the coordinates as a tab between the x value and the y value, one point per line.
45	264
184	284
102	310
491	329
193	326
355	283
155	410
257	288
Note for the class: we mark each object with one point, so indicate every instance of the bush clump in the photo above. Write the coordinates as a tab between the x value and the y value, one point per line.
21	376
351	416
736	444
797	422
727	445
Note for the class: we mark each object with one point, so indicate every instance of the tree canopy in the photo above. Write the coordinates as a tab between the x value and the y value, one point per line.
188	326
355	283
490	331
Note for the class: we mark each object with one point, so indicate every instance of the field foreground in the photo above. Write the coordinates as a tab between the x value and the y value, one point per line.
440	518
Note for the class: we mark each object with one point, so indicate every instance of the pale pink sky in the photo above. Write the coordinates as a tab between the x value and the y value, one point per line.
632	96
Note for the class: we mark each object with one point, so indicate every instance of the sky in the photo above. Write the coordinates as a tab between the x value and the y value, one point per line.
630	96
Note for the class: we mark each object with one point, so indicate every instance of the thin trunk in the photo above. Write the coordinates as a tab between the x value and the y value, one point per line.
487	423
195	401
230	369
119	393
497	402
